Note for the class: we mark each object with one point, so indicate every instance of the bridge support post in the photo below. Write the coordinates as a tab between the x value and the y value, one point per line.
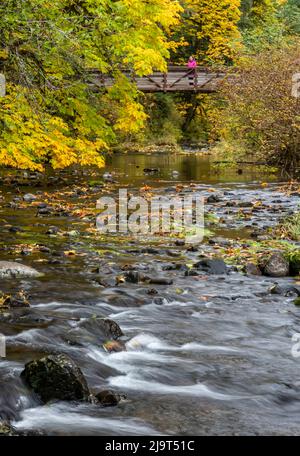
165	82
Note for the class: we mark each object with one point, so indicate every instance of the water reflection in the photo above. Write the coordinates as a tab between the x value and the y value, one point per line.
189	167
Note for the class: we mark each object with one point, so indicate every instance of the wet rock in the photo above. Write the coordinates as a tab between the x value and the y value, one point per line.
219	241
174	267
160	281
56	377
192	248
276	266
263	237
211	266
108	398
29	197
173	253
44	210
284	290
179	242
19	299
152	291
114	346
134	277
112	328
252	269
214	198
12	269
245	204
192	272
150	170
15	229
6	429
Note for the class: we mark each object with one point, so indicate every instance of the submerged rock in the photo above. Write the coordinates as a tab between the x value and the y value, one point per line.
12	269
56	377
160	281
108	398
276	266
212	266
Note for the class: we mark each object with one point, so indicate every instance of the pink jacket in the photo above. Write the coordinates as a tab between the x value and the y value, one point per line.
192	63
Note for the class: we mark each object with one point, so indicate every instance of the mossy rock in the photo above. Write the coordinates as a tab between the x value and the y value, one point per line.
297	301
56	377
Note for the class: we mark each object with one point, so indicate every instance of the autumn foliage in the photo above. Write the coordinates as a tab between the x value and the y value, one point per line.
261	116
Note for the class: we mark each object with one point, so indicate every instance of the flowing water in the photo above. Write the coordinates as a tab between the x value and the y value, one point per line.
206	355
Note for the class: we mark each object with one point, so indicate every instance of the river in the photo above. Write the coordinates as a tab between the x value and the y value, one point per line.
206	355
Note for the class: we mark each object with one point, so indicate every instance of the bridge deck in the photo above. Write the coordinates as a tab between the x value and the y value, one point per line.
177	79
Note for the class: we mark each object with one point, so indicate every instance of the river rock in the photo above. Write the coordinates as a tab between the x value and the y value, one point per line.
29	197
6	429
12	269
284	290
134	277
212	266
56	377
276	266
214	198
252	269
108	398
19	299
160	281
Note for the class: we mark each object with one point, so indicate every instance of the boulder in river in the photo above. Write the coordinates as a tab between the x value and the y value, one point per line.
12	269
56	377
108	398
276	266
212	266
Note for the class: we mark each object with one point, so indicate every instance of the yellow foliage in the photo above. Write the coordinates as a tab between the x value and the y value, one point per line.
29	139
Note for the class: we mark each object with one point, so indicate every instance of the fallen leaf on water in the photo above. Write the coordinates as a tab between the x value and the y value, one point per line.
113	346
69	252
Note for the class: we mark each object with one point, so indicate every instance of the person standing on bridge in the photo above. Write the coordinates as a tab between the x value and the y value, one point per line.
192	62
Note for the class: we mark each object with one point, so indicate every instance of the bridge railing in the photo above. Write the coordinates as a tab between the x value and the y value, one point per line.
178	78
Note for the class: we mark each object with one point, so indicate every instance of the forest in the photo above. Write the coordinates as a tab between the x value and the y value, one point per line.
52	115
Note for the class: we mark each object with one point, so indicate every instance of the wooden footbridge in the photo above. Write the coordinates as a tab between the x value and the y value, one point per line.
177	79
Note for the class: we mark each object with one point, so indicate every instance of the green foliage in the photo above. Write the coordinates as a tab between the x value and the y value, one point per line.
260	119
165	119
290	228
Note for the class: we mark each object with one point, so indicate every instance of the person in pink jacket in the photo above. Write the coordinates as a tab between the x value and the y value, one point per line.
192	62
